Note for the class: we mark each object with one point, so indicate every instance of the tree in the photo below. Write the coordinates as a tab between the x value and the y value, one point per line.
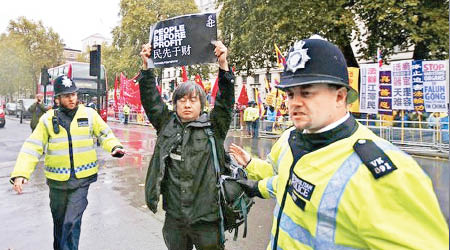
43	46
390	24
14	66
251	27
136	18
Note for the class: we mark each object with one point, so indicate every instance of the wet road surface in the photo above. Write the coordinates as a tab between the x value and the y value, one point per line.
116	217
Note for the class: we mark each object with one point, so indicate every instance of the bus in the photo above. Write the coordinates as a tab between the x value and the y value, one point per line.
86	84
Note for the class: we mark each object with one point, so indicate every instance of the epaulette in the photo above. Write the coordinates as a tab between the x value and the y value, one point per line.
374	158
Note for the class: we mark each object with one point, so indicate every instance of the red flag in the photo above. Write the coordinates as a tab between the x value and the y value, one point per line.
243	97
198	80
69	71
214	90
116	85
122	80
184	74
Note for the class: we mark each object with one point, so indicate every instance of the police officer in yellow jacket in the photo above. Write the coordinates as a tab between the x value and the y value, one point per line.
70	159
336	184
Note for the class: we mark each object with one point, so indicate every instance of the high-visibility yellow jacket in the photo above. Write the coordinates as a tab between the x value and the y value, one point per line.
85	125
126	110
345	207
251	114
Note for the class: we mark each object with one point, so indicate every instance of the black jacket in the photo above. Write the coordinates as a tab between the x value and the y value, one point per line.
200	202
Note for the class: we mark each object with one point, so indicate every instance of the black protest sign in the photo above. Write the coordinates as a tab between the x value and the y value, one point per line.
183	40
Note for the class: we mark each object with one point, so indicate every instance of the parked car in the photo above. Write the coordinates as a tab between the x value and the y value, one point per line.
22	105
10	108
2	118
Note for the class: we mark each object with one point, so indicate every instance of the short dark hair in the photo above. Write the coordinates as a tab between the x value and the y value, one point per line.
189	89
337	87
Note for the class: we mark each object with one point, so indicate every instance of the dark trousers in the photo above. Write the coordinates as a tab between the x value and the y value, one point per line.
181	236
249	127
126	119
255	126
67	208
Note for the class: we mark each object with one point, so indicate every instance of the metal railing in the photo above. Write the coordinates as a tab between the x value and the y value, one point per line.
421	137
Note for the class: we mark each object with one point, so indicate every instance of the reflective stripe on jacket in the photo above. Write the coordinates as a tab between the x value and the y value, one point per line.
345	207
85	124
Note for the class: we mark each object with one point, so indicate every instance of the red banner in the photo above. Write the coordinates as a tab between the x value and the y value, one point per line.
129	93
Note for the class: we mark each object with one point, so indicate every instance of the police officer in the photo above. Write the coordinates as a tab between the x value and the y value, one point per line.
70	159
337	185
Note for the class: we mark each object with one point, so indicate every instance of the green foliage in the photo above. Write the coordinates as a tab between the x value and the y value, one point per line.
14	66
250	28
136	18
25	49
391	23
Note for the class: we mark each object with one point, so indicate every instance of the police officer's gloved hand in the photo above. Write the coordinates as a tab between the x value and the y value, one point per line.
118	152
250	187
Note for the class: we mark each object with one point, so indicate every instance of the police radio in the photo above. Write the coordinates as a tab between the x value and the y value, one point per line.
55	124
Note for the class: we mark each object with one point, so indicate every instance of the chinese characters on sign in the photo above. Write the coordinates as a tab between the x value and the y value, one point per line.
369	89
417	85
385	94
184	40
402	96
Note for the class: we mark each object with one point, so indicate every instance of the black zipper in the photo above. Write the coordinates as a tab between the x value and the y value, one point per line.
72	168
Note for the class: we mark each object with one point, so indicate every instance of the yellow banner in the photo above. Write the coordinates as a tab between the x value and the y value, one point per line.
353	76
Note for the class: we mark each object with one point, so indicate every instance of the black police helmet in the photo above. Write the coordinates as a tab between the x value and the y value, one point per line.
313	61
64	85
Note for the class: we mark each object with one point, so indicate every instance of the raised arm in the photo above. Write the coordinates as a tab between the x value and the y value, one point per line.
157	111
221	115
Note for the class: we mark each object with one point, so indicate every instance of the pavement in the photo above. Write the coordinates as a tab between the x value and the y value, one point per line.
117	217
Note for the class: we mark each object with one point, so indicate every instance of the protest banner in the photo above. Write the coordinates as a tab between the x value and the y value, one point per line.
417	85
183	40
385	94
368	97
353	76
435	85
402	96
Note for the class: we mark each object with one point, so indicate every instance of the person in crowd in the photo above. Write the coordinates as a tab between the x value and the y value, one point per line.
434	120
126	113
37	109
247	118
336	184
71	165
182	168
93	104
271	117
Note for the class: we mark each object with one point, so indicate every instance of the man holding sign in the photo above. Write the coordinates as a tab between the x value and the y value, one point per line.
182	167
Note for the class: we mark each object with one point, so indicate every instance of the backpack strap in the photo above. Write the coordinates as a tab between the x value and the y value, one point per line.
219	182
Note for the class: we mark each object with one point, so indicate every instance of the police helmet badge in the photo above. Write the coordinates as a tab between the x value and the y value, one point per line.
298	57
66	82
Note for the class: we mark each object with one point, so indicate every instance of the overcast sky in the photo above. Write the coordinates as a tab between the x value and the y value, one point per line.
73	20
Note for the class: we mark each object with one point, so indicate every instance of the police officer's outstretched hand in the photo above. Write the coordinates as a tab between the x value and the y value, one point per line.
18	182
250	187
118	152
145	55
240	155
